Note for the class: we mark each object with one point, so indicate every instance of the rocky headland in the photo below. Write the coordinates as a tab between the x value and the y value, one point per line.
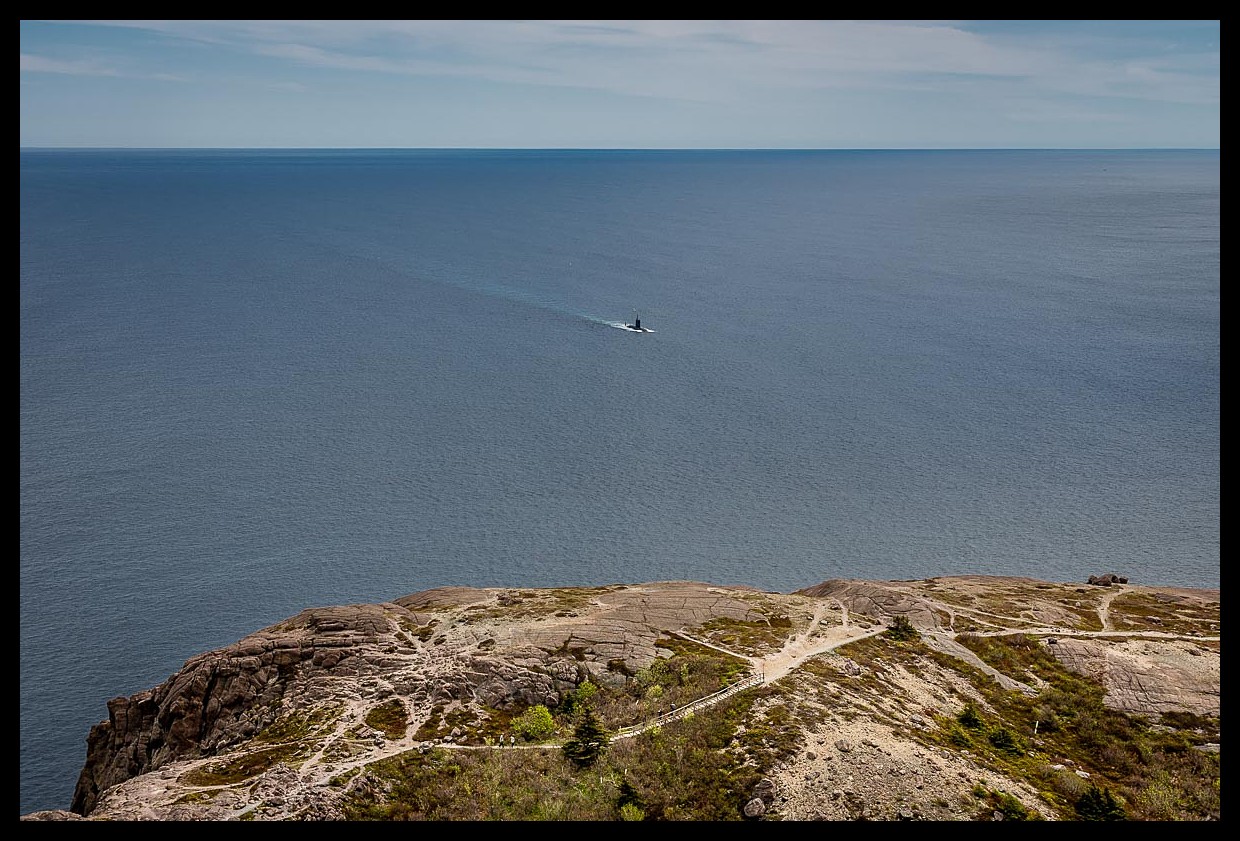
957	698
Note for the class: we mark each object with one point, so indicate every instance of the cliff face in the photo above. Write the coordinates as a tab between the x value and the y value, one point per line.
224	697
294	720
497	649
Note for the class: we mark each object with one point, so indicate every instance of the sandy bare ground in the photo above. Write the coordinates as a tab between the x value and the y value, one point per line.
825	624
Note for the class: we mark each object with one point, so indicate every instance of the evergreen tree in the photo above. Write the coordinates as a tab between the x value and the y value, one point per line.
901	629
589	740
1098	804
1003	739
969	717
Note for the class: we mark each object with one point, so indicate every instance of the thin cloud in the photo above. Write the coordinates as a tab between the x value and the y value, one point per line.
42	64
295	87
1035	111
31	63
722	60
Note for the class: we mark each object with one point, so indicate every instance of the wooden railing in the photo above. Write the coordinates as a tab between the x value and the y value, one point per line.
701	703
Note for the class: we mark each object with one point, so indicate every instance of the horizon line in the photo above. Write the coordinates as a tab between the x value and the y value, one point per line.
637	148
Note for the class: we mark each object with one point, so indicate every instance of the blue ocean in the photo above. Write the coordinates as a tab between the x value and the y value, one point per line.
254	382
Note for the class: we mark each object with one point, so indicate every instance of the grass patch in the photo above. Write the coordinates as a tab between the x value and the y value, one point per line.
413	629
431	728
195	797
772	732
1086	614
955	599
536	604
342	780
242	767
287	740
1155	772
390	719
1164	612
688	770
750	637
1018	656
692	671
477	725
1003	803
299	726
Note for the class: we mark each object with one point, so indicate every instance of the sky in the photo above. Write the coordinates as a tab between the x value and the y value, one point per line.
635	84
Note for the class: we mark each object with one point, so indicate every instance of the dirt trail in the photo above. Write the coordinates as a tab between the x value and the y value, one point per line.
811	642
814	640
1104	608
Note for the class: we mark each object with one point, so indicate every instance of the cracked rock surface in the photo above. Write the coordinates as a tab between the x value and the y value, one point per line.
457	648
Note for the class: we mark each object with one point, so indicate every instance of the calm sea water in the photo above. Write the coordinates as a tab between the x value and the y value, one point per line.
255	382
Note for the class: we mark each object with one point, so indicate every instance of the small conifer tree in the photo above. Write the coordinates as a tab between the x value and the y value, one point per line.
1003	739
970	718
589	740
1098	804
901	629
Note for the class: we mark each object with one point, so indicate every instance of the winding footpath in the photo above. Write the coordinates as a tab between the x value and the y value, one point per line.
816	639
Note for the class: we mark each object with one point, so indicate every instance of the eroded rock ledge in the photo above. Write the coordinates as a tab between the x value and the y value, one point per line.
471	650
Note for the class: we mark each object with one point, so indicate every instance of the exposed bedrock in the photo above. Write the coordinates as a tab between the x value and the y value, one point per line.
501	649
225	696
876	600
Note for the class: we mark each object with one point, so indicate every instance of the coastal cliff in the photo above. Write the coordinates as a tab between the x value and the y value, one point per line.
948	698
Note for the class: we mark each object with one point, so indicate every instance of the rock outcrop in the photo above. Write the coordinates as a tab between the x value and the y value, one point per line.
270	727
497	649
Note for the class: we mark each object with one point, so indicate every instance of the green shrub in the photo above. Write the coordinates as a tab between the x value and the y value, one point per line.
1003	803
958	737
578	698
629	812
1098	804
535	724
969	717
629	803
1003	739
901	629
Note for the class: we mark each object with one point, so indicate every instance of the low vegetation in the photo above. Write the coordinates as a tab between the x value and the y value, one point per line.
689	672
535	604
390	719
474	725
1002	804
749	637
700	768
1152	770
299	726
901	629
242	767
1086	762
689	770
1063	743
290	739
1163	612
535	724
